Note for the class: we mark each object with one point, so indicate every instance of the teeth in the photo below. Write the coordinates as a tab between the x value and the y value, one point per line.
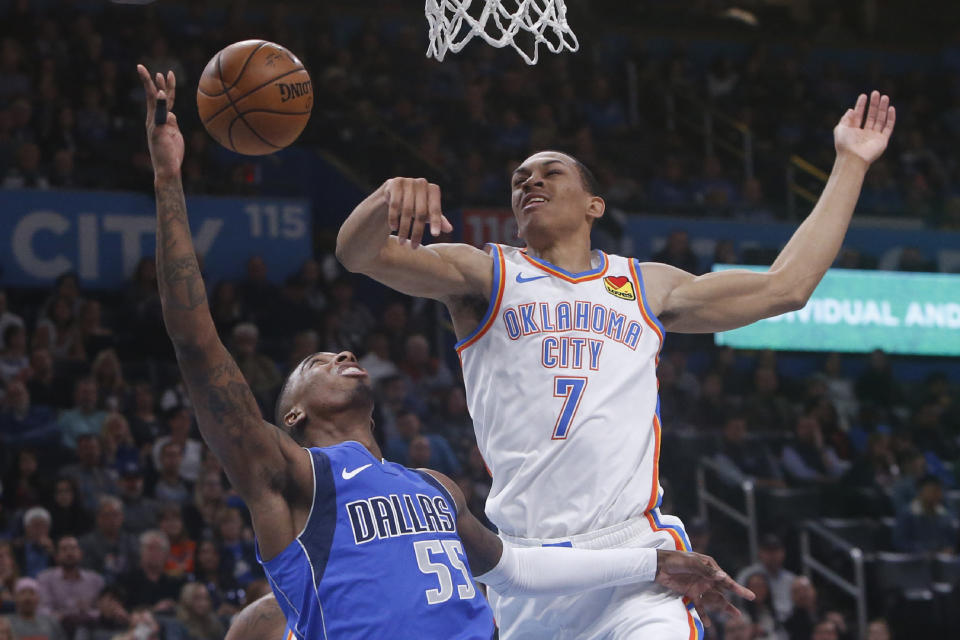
350	370
536	199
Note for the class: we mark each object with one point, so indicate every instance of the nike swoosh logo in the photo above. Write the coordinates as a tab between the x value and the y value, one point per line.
349	474
521	279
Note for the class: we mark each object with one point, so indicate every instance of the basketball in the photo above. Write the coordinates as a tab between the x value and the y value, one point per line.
254	97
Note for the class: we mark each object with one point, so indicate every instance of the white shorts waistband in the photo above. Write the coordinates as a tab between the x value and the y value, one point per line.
606	538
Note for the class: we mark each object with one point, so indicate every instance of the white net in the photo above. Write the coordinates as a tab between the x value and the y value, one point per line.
521	24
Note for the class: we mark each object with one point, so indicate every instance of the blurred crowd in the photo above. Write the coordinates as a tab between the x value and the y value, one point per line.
115	520
71	107
113	509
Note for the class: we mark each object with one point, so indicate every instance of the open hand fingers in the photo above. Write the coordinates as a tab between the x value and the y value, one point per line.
171	89
433	206
406	211
149	90
420	213
872	109
859	110
890	121
394	196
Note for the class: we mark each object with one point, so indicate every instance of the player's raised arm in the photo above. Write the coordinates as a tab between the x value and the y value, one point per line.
410	206
261	620
729	299
263	463
542	571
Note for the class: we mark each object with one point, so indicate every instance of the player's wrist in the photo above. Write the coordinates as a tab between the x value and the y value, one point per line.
166	176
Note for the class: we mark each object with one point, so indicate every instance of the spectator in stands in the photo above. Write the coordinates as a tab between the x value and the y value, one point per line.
6	631
195	613
808	459
179	421
913	468
225	306
112	615
169	485
58	331
23	423
742	458
259	370
7	318
671	189
454	423
825	630
877	467
879	630
877	384
767	409
108	549
376	362
112	390
28	172
753	205
27	623
237	550
9	574
42	383
678	253
84	417
440	456
350	320
209	570
99	339
139	512
35	549
67	512
771	555
147	584
182	548
13	357
926	525
799	625
840	388
91	478
426	375
257	293
117	441
739	628
761	612
24	486
144	424
209	497
67	591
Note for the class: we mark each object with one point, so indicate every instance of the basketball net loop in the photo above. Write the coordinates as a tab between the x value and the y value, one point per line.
452	26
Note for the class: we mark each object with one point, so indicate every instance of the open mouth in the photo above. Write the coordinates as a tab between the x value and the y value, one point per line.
351	371
532	201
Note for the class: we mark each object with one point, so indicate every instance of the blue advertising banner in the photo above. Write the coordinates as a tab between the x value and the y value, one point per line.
102	236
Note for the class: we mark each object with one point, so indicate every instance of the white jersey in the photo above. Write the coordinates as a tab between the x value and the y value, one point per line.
561	384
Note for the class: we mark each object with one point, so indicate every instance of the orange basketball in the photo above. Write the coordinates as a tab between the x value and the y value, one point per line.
254	97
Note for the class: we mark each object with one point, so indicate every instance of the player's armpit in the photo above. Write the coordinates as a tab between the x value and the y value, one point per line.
717	301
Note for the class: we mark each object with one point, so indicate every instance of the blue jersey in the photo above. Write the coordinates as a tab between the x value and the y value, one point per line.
379	557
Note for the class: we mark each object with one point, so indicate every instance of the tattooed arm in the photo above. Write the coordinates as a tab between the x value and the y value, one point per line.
262	620
269	470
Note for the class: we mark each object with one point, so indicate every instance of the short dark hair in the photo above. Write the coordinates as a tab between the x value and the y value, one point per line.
590	183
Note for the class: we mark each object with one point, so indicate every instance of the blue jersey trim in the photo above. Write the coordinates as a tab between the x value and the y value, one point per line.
322	521
643	298
570	274
565	543
675	528
495	291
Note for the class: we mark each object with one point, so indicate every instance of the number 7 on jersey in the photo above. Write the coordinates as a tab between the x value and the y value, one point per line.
570	388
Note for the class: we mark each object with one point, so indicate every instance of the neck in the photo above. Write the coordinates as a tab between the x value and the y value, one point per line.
71	572
349	425
571	253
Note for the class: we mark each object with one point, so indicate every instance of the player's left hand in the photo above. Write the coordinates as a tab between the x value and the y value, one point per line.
164	138
699	578
864	131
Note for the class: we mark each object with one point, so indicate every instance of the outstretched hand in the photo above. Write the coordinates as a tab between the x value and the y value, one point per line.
163	138
864	131
699	578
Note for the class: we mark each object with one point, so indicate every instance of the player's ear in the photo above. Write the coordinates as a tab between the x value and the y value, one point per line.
596	207
293	416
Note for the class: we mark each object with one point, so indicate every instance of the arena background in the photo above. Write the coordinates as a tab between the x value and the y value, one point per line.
709	125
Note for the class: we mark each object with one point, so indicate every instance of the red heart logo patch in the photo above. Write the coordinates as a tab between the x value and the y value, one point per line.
617	281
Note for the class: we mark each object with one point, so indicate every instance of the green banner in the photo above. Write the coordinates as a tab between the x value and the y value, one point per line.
859	311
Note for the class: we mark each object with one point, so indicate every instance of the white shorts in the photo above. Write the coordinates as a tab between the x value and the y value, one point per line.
645	610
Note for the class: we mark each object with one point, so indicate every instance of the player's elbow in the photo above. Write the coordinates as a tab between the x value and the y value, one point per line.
351	259
787	294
